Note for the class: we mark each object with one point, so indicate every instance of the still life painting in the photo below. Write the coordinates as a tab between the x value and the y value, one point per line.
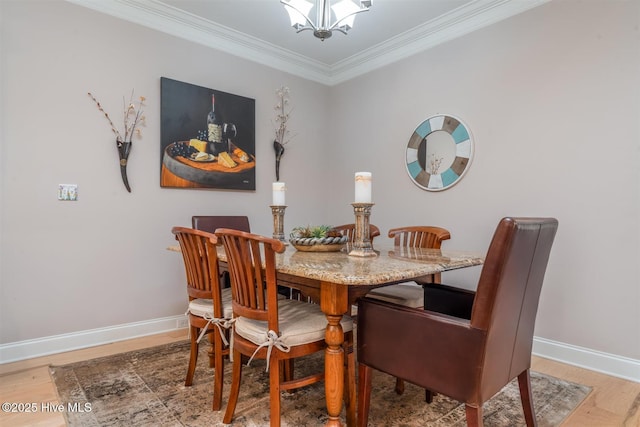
207	138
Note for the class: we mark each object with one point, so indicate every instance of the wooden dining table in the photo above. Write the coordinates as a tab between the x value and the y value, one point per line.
336	280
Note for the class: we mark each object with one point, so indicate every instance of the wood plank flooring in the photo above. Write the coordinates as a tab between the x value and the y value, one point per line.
612	403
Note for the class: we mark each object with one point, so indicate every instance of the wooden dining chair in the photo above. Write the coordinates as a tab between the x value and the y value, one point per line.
411	294
271	329
349	230
209	311
466	345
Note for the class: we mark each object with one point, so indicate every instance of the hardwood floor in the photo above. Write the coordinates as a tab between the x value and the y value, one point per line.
612	403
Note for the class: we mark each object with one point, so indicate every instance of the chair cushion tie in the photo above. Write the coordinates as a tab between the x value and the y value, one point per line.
273	340
220	323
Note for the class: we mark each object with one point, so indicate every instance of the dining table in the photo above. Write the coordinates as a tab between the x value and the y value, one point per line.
336	280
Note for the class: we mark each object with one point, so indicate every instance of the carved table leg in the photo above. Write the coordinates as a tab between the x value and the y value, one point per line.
333	302
334	369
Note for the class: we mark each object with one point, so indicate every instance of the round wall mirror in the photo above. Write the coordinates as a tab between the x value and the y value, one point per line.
439	153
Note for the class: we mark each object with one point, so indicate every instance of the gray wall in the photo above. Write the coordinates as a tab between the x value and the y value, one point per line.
551	97
101	261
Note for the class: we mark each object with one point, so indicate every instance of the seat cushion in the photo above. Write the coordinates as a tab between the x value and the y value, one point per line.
204	307
300	323
409	294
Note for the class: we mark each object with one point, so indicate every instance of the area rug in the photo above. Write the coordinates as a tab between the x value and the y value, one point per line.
146	388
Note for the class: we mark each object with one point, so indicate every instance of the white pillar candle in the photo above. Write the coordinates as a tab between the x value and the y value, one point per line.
363	187
278	193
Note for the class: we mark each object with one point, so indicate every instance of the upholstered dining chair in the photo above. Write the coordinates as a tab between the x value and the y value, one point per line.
209	310
271	329
466	345
411	294
210	223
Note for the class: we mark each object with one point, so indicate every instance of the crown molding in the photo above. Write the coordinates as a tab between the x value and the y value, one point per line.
167	19
162	17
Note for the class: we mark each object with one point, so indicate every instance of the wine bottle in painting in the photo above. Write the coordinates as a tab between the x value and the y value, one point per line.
214	130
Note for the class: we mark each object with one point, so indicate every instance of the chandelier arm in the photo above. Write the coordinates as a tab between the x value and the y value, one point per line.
298	30
341	29
335	24
310	22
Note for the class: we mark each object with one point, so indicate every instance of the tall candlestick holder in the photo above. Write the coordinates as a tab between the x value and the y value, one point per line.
361	245
278	222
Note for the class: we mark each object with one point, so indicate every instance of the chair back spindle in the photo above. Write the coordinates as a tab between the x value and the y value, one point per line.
200	261
419	236
252	269
349	230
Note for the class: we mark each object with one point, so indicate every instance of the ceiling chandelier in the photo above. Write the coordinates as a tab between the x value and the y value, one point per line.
345	13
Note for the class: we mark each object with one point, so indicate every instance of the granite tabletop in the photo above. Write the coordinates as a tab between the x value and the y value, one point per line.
392	264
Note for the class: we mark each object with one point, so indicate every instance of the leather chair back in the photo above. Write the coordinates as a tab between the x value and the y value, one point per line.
210	223
506	301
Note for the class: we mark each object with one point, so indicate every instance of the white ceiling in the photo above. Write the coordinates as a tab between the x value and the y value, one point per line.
267	20
260	30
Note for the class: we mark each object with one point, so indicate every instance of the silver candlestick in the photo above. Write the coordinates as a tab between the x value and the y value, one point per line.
361	245
278	222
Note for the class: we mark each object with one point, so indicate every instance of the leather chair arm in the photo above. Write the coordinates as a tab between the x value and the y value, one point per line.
448	300
436	351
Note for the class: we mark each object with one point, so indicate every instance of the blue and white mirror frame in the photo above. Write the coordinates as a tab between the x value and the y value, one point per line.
439	152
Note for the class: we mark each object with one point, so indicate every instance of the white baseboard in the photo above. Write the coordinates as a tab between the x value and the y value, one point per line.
606	363
610	364
29	349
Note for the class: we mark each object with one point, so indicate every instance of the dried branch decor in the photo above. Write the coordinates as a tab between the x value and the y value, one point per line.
282	133
133	119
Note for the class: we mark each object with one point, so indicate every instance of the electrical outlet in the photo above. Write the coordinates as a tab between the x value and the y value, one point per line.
68	192
182	323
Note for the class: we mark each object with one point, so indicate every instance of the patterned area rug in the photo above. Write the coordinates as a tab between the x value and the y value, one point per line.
146	388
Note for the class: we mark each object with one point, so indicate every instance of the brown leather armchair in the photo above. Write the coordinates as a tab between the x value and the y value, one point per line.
410	294
465	345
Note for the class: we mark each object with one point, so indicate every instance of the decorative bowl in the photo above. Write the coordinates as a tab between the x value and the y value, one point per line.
317	244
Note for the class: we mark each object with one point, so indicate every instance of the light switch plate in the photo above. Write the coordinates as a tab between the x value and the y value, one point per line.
68	192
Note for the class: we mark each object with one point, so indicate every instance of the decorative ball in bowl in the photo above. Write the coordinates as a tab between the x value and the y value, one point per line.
321	238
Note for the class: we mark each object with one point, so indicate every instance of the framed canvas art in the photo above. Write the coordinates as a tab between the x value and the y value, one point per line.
207	138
